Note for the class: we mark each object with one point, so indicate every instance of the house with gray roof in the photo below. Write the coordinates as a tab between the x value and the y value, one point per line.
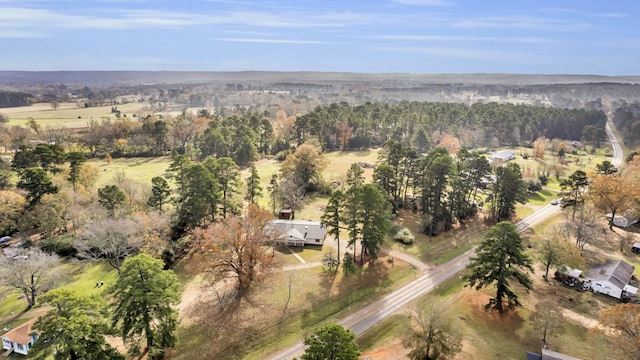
296	232
502	155
611	278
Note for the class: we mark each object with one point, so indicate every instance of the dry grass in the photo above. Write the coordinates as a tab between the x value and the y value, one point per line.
68	114
263	324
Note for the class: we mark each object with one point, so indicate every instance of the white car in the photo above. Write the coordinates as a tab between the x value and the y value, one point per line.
554	202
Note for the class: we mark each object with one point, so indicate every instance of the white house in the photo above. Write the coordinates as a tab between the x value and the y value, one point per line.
547	354
502	155
296	232
611	278
20	339
624	220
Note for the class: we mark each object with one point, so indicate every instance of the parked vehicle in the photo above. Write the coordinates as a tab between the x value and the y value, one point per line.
5	239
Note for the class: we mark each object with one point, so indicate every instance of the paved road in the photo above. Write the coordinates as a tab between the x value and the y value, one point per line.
617	150
365	318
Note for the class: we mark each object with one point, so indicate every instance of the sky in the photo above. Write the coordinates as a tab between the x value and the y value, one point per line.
364	36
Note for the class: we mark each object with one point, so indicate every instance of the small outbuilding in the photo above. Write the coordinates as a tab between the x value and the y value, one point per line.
568	276
286	214
20	339
296	232
612	278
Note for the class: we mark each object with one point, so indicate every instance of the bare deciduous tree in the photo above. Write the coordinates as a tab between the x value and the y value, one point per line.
432	334
29	271
547	319
582	229
110	239
292	195
235	249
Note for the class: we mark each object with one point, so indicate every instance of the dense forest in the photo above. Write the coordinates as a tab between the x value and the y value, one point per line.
341	126
627	121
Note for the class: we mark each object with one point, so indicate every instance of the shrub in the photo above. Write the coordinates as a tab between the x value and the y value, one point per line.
405	236
60	245
544	179
348	265
533	185
281	155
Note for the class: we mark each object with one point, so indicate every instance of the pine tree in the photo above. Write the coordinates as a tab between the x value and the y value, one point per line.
254	189
142	309
160	193
500	257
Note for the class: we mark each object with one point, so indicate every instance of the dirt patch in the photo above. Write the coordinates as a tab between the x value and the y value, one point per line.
585	321
391	350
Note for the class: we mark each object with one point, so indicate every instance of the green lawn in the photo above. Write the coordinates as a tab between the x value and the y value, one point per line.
79	276
138	169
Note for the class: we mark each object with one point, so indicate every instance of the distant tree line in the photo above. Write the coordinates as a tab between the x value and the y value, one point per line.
13	99
626	121
340	126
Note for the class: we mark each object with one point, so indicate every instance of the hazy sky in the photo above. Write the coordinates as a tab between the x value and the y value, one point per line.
414	36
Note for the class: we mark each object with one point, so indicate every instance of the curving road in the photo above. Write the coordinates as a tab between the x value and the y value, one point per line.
367	317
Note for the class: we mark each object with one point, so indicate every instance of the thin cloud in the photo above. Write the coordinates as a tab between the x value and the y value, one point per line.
609	15
452	53
423	2
444	38
272	41
18	34
522	22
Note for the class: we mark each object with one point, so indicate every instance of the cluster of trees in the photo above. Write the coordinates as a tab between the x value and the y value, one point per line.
421	124
140	311
626	120
242	138
446	189
361	209
14	99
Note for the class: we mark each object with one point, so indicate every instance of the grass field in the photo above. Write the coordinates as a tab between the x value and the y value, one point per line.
317	298
79	276
68	114
139	169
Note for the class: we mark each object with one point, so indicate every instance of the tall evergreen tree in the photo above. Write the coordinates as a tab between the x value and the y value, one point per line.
160	193
500	258
433	177
254	189
198	202
142	309
76	159
376	220
111	197
355	175
273	189
74	328
332	216
574	190
225	170
37	183
508	189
